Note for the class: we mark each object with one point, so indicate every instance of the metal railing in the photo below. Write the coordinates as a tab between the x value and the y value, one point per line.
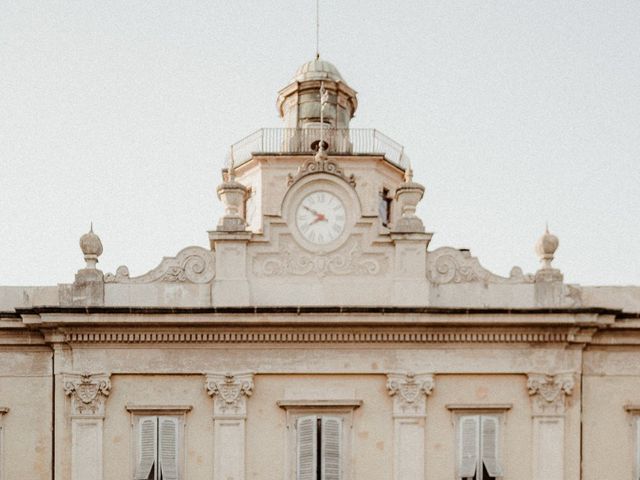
338	141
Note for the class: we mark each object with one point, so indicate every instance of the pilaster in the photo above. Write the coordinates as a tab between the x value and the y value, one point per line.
230	392
88	393
409	392
548	393
230	286
410	285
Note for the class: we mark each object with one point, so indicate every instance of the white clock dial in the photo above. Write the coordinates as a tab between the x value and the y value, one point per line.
320	217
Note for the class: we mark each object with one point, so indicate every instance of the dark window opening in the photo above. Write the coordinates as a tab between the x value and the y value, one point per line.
384	207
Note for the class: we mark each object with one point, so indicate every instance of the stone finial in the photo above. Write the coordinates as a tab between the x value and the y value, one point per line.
232	194
408	175
408	194
91	247
546	247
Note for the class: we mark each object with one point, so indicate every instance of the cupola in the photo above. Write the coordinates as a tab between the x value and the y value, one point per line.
299	102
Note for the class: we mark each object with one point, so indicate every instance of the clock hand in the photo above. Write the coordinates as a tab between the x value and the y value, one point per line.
319	218
310	210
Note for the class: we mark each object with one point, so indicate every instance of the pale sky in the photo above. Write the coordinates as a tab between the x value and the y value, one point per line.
513	113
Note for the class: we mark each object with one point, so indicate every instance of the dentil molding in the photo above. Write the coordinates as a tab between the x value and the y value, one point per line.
88	392
409	392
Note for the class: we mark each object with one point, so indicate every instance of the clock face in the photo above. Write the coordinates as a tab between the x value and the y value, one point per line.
320	217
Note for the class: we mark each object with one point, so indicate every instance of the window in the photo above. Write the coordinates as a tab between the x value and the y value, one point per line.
478	447
157	448
384	207
319	433
319	448
3	410
637	445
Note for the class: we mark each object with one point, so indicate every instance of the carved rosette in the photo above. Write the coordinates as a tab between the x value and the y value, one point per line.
88	392
229	392
548	392
409	392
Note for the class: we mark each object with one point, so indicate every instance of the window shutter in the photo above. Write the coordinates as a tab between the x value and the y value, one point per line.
307	433
147	447
169	448
638	448
469	427
490	446
331	448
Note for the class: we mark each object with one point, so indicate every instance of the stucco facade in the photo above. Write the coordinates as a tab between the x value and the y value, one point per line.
405	363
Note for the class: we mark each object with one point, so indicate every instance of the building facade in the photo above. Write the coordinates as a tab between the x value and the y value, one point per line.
319	338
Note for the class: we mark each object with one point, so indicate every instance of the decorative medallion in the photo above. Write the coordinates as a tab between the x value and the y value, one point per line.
229	392
548	392
410	392
88	392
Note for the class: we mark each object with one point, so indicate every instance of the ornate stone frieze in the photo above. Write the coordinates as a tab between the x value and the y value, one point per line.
229	392
409	392
320	165
450	265
190	265
548	392
88	392
290	260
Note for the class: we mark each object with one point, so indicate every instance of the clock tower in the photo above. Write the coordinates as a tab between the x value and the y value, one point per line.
318	211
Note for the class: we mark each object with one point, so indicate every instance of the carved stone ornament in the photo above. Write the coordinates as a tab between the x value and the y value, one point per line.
320	165
409	392
88	392
229	392
290	260
190	265
548	392
451	265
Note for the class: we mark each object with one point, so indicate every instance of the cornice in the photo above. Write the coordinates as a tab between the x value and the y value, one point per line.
319	325
37	310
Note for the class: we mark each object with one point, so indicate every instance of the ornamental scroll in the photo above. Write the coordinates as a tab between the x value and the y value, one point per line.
190	265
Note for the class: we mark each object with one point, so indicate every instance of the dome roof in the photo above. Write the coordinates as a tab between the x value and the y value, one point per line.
317	70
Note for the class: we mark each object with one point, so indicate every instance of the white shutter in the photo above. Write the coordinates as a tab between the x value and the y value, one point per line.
638	448
306	435
331	452
490	446
147	447
169	448
468	451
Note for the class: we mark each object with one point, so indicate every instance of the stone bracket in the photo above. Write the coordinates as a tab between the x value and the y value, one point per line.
548	392
88	392
409	392
229	391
